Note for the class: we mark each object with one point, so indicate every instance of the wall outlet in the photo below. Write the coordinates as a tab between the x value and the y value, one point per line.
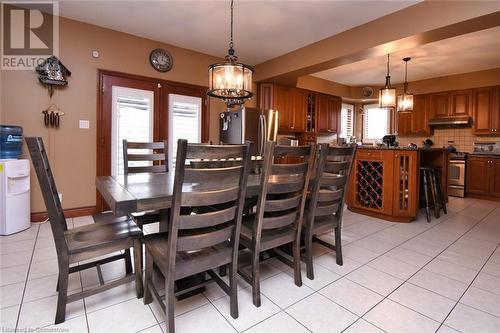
59	194
85	124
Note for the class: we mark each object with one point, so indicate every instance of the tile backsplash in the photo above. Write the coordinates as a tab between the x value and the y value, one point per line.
463	138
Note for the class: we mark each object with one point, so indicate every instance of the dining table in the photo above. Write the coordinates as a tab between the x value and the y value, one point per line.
139	192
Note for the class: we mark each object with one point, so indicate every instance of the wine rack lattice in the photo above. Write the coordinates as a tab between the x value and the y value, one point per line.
370	184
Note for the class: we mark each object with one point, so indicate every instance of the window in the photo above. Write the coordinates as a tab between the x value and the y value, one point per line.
184	122
132	119
375	123
346	120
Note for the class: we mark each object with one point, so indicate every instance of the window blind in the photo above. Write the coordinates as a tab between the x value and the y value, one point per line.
347	121
185	121
132	119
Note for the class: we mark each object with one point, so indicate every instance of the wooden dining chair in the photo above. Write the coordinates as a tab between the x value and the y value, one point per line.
279	211
325	205
154	160
200	242
84	243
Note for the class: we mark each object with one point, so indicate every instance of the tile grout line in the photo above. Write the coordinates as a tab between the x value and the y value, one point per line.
456	302
26	280
468	287
385	297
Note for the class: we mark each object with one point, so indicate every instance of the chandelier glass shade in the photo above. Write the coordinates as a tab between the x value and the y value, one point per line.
405	101
230	80
387	95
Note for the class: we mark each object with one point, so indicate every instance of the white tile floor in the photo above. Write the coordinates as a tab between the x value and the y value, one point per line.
442	276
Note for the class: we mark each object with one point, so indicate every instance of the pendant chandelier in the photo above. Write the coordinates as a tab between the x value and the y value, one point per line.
405	101
230	81
387	95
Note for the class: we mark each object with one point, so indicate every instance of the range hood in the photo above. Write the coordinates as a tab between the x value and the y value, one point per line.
451	121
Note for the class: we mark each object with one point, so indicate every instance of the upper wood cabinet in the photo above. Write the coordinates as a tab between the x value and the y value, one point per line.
461	103
415	123
440	105
451	103
404	121
300	110
327	113
292	105
420	114
284	99
486	106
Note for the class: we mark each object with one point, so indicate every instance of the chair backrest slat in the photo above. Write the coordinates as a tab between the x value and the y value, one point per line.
289	169
157	158
204	239
208	174
283	187
329	188
283	204
207	203
209	219
49	192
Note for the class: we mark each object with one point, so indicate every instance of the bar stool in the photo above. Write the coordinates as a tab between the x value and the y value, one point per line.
430	176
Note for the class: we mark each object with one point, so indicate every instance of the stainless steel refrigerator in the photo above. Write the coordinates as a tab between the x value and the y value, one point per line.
249	124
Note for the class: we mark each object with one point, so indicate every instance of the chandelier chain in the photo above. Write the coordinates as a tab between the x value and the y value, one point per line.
231	42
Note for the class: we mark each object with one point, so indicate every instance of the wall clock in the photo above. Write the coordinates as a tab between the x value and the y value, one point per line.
161	60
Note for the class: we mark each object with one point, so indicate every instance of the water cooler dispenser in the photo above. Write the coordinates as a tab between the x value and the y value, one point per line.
14	182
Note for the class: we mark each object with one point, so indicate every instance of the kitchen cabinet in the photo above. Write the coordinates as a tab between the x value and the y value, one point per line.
327	113
384	184
404	124
301	100
461	103
420	115
486	110
440	105
291	104
415	123
284	99
295	106
483	176
405	184
451	103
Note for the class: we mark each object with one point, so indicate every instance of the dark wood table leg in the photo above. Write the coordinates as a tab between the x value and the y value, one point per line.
164	217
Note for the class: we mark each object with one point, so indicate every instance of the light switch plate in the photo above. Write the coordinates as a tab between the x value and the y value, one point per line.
84	124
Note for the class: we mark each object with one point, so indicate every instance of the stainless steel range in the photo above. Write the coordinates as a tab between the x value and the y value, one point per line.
456	174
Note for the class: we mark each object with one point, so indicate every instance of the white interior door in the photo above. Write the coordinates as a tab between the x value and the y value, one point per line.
132	119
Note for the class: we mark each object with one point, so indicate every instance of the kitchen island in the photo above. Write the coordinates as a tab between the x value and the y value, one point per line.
385	182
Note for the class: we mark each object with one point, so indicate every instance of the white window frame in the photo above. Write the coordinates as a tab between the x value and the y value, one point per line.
118	91
366	107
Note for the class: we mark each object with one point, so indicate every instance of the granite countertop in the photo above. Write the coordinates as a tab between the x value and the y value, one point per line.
401	148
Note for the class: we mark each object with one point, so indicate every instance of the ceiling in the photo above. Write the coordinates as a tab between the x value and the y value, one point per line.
262	29
463	54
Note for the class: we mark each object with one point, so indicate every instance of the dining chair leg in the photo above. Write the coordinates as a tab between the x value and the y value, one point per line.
338	246
62	296
256	278
223	270
148	278
233	291
296	263
169	303
309	257
128	262
426	194
434	195
138	268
